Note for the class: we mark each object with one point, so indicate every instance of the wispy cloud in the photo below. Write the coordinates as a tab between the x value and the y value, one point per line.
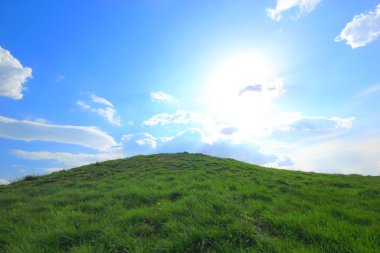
100	100
60	78
302	6
180	117
106	110
12	75
66	159
25	130
161	96
363	29
369	91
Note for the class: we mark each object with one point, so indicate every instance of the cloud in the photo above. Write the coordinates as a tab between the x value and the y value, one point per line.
66	159
180	117
161	96
272	88
100	100
228	130
25	130
194	141
347	156
321	123
251	88
302	6
107	110
363	29
60	78
291	126
369	91
295	127
138	144
296	121
12	75
4	181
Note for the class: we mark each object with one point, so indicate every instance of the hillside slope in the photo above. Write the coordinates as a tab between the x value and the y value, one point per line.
189	203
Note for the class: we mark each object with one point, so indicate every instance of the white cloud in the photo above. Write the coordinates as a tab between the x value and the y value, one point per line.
138	144
142	139
66	159
180	117
100	100
110	115
84	105
297	128
4	181
141	143
286	126
298	122
12	75
107	111
161	96
25	130
347	156
194	141
302	6
363	29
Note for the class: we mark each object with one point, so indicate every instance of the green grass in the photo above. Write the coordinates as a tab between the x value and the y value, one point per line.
189	203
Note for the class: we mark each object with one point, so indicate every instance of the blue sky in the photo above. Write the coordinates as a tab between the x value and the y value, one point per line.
288	83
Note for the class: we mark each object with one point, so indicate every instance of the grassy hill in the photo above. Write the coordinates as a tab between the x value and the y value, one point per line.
189	203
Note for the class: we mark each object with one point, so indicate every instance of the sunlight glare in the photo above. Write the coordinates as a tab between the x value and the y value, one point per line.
241	89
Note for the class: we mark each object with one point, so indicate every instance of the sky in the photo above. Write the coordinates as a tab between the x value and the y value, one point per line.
291	84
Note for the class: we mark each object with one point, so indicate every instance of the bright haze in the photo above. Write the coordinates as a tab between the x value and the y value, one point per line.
287	84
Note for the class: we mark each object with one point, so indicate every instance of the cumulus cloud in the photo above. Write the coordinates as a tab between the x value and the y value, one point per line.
194	141
105	110
302	7
161	96
363	29
180	117
12	75
295	127
298	122
141	143
25	130
65	159
4	181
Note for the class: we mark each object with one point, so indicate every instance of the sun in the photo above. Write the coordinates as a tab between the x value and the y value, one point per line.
240	90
